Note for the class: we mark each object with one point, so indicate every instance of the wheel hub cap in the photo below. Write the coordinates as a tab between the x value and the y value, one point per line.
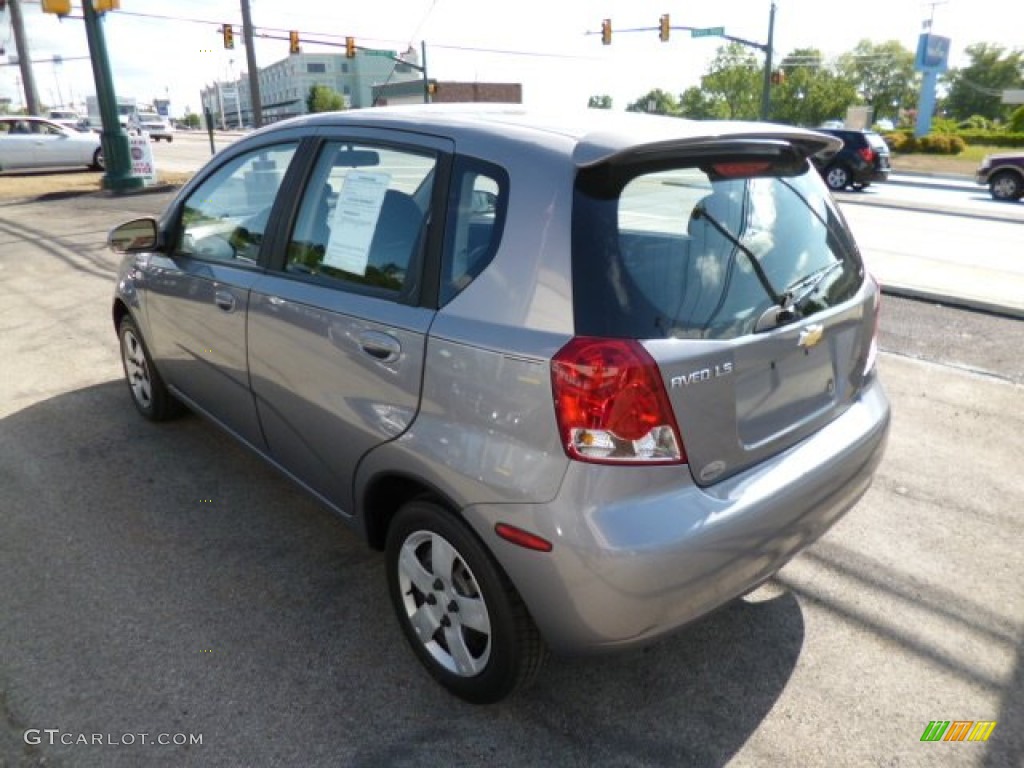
444	604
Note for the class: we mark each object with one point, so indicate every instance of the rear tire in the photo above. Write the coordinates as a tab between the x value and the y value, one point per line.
837	177
463	618
98	163
149	393
1006	185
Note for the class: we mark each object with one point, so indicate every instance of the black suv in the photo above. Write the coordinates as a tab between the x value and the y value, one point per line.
863	159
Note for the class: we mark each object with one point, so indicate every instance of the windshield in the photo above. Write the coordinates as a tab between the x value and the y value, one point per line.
691	252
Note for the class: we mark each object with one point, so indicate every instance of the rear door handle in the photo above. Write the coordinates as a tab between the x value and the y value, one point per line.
224	300
380	346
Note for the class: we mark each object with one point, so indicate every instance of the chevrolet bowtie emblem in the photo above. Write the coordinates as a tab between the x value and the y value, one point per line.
811	335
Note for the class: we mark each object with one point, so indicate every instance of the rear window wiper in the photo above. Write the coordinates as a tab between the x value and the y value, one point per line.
808	285
701	212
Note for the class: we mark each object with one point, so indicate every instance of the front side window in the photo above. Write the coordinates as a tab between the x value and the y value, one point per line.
225	217
704	251
362	221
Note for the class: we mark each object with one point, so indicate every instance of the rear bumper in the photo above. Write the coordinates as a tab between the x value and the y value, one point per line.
641	551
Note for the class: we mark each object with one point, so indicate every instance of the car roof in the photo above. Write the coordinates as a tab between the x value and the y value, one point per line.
591	136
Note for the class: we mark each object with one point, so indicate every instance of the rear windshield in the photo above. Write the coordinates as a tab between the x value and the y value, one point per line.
691	252
876	142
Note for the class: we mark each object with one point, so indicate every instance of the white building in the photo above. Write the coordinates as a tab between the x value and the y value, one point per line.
285	84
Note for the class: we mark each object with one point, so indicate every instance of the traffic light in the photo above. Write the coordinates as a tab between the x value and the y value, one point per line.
293	42
60	7
350	47
229	36
663	34
606	32
102	6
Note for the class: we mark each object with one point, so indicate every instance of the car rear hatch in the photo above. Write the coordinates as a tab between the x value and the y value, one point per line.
880	149
728	262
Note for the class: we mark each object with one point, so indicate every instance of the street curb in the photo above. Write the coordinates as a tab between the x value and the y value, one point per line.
1008	218
964	182
957	302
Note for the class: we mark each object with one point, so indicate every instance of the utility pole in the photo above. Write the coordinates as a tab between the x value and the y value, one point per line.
250	59
24	59
766	88
426	80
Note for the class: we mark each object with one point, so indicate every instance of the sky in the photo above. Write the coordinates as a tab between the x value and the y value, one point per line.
543	45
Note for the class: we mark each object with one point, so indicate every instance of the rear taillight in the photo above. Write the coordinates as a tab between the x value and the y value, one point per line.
611	404
867	153
869	364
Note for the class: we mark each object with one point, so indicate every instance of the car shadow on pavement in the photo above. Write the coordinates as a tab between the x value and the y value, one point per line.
162	579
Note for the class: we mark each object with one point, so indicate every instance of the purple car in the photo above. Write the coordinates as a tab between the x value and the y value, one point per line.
1004	175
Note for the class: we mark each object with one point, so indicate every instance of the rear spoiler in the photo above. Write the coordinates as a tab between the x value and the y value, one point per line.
599	149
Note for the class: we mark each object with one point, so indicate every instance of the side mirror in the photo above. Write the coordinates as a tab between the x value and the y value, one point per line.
133	236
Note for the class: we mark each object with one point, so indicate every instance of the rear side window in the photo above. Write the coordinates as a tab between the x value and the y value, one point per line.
702	252
476	213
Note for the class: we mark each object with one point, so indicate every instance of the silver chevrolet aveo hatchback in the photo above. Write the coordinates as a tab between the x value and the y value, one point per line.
583	378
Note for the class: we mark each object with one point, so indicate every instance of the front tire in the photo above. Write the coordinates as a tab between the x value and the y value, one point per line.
463	618
149	393
98	162
837	177
1006	185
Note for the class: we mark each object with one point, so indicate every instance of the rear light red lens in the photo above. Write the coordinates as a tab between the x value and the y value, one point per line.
867	153
611	404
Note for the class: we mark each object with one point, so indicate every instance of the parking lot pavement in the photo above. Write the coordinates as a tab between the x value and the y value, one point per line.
159	580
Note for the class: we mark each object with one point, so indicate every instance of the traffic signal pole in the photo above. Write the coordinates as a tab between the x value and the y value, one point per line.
665	26
116	150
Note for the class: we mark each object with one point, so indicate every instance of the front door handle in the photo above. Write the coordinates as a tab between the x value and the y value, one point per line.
380	346
224	300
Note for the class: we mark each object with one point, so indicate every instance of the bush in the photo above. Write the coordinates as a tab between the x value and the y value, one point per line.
941	144
905	142
975	123
1016	123
1007	139
901	141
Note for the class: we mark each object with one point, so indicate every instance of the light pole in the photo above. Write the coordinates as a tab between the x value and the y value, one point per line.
116	149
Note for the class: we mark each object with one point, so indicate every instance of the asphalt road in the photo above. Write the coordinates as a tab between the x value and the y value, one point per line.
162	581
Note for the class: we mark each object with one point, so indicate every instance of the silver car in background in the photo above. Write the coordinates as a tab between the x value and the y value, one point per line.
583	378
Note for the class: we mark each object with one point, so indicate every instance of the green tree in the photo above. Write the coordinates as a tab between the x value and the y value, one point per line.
604	101
882	74
734	82
977	88
695	103
191	119
656	102
810	92
323	98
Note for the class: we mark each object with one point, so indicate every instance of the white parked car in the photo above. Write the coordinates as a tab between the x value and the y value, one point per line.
35	142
